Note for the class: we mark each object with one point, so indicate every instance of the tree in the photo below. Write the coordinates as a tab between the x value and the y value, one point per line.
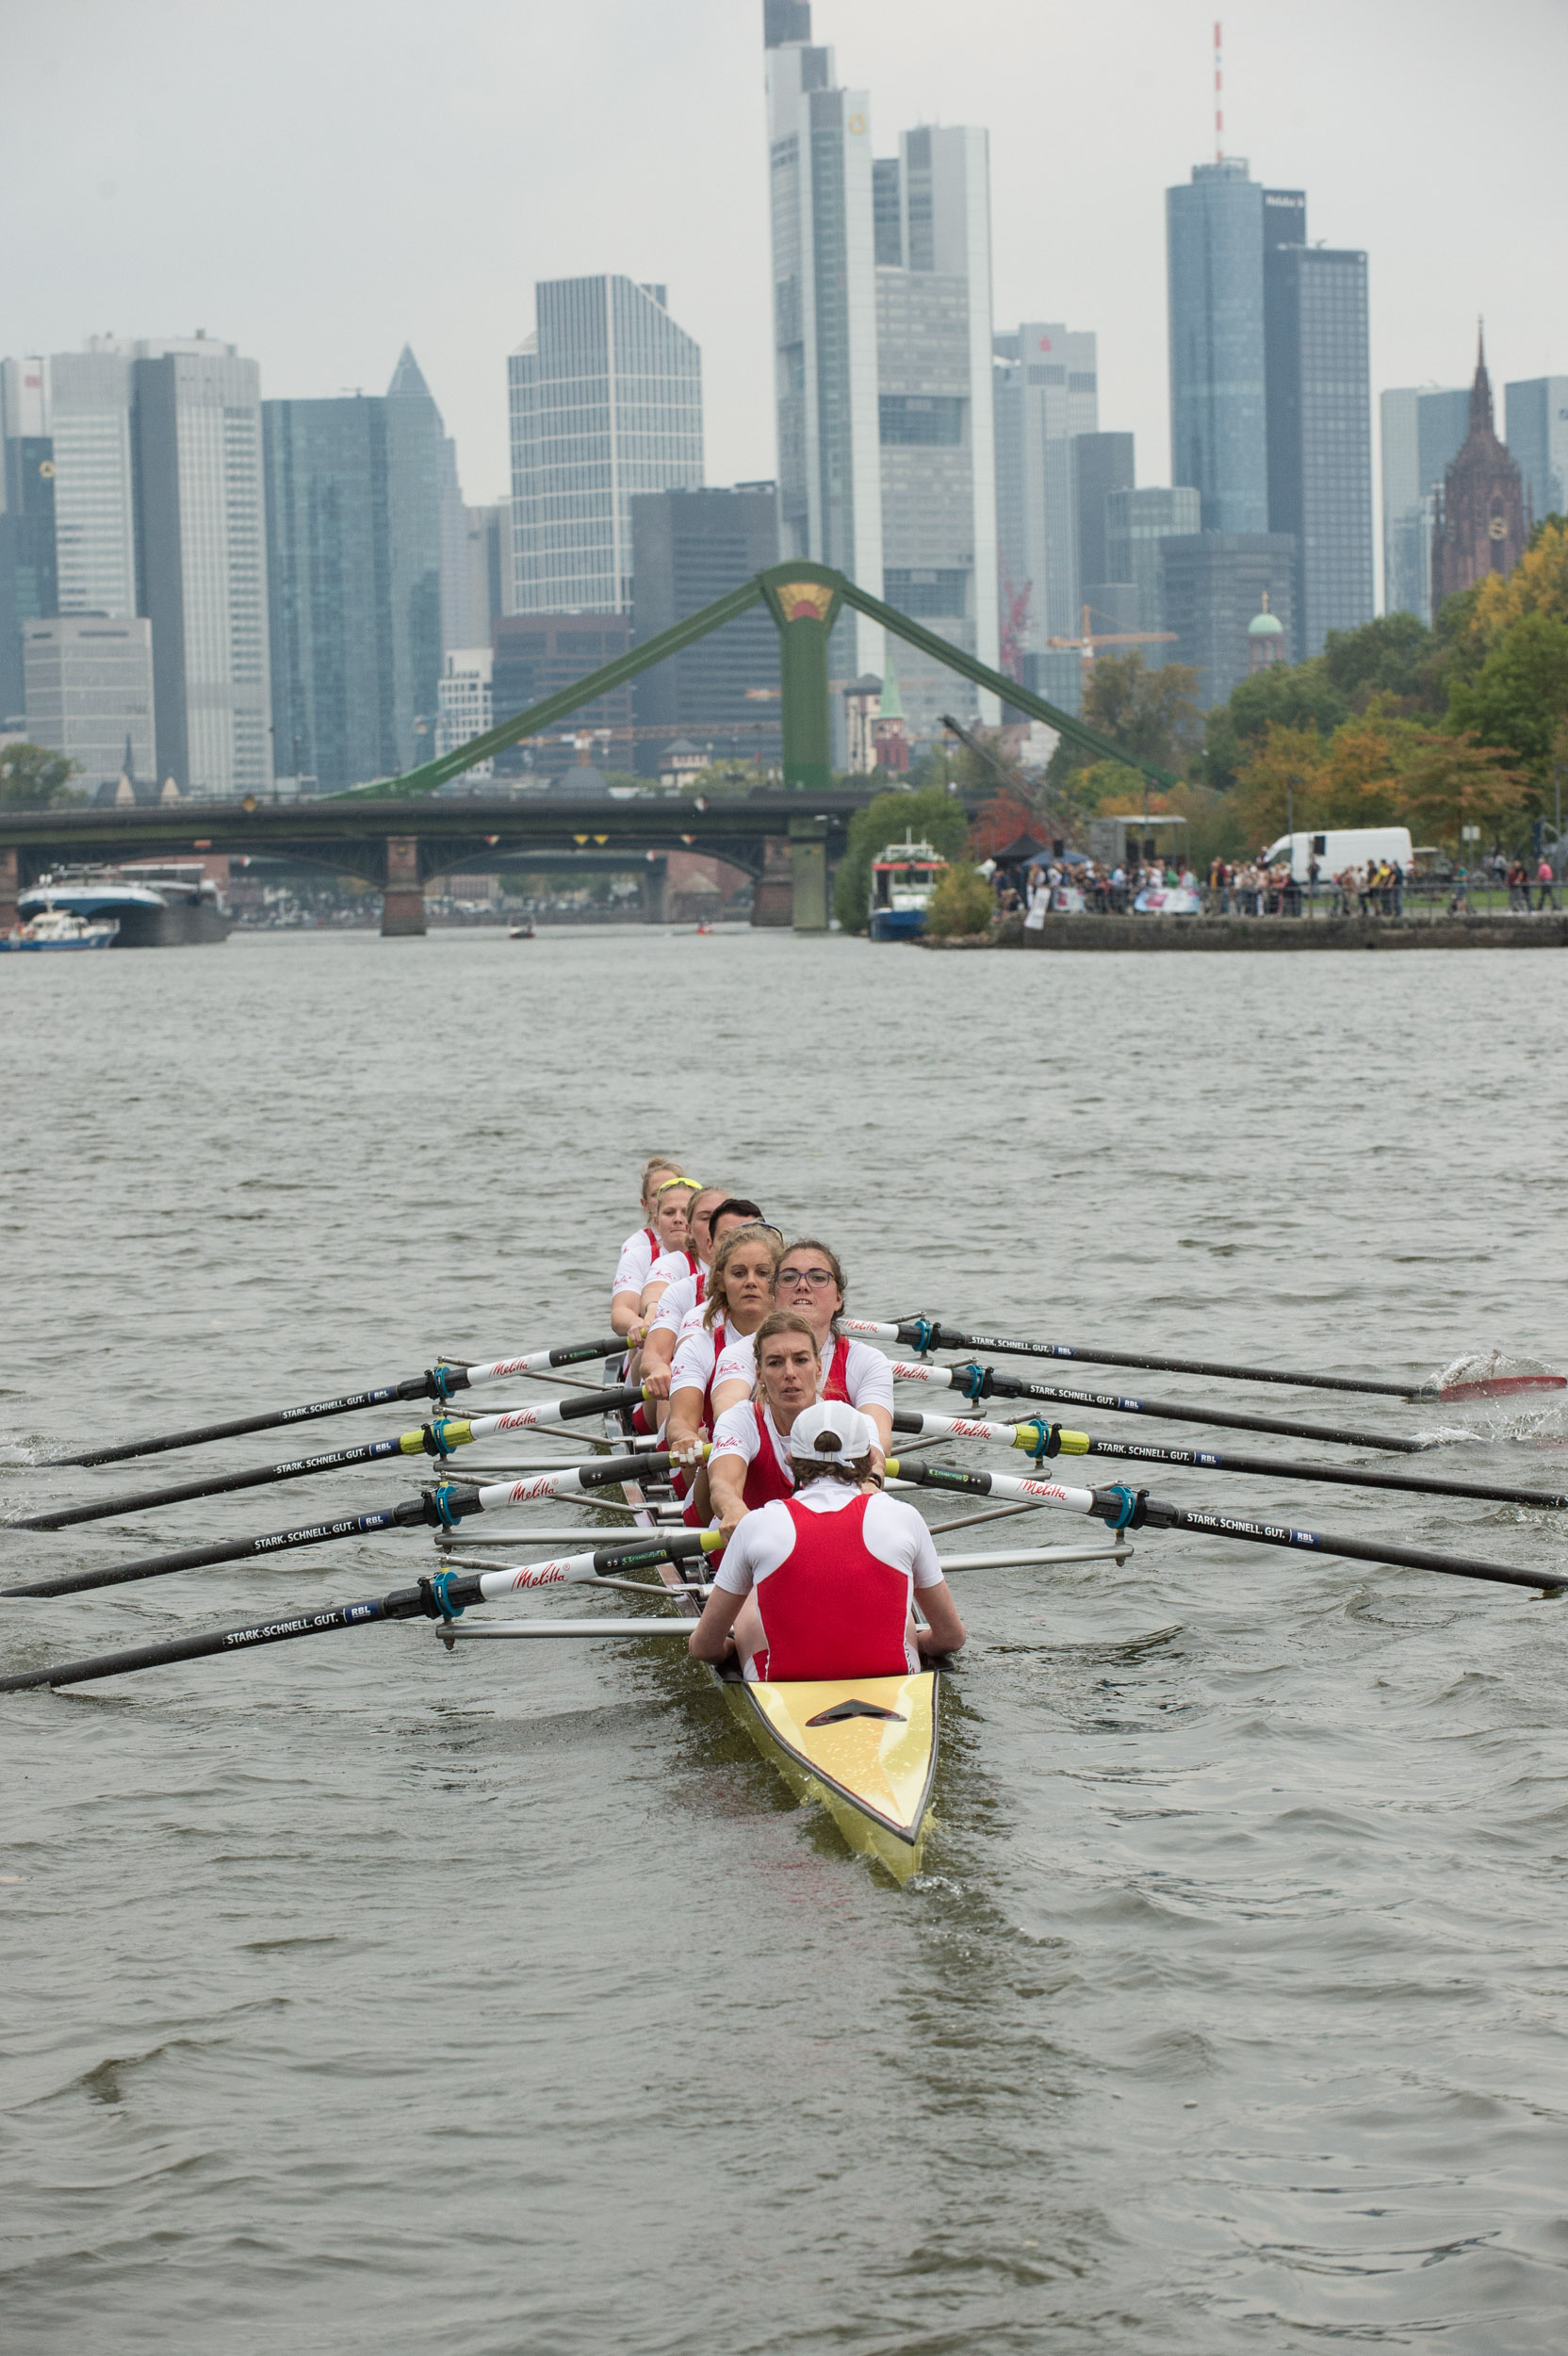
1281	782
932	815
1287	696
1151	714
33	778
1519	696
960	903
1456	781
1391	656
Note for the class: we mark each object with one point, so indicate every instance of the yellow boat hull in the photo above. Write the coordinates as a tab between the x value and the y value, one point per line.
865	1749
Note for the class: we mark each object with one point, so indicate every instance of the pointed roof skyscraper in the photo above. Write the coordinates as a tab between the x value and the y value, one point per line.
407	377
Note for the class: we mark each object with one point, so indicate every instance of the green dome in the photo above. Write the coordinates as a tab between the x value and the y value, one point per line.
1265	625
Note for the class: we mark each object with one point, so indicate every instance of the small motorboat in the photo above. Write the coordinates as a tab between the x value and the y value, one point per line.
58	928
521	932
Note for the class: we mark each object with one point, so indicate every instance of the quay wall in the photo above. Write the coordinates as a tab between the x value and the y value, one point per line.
1231	933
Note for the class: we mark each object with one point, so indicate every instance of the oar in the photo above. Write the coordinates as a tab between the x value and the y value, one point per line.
1125	1509
436	1509
437	1383
1040	1440
436	1438
439	1598
977	1383
926	1333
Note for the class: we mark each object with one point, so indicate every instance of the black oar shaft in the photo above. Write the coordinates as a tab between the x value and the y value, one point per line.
297	1468
142	1501
403	1603
948	1338
1343	1476
1158	1516
437	1383
994	1385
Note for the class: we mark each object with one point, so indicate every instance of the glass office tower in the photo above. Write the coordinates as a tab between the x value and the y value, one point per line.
1423	433
1537	435
1218	426
1320	429
606	401
1047	397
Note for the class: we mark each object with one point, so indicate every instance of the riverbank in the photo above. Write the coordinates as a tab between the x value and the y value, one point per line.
1269	932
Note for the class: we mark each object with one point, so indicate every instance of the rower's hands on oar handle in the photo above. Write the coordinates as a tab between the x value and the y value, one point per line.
656	1381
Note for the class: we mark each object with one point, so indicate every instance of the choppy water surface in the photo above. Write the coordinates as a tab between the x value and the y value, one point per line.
361	1996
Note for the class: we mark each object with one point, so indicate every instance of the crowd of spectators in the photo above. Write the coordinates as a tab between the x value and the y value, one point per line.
1073	886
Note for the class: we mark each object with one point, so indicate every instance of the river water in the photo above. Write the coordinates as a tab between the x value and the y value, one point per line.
362	1995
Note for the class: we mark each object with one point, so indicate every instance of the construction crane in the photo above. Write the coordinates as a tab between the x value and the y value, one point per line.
1089	638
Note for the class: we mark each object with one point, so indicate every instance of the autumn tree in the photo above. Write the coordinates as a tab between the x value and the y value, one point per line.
33	778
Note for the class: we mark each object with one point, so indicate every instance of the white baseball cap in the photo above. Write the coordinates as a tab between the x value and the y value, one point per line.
830	1430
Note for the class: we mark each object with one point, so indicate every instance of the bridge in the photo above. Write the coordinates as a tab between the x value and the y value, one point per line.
402	830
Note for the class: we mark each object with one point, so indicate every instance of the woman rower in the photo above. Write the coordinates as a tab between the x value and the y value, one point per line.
672	1202
748	1463
667	1321
821	1585
641	1247
688	1260
740	1294
809	1279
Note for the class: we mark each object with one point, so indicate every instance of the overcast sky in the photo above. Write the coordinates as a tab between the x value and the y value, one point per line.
319	183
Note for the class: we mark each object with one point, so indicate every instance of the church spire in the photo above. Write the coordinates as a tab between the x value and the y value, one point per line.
1480	391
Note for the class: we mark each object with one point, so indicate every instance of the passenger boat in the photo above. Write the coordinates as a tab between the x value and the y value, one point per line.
152	904
903	877
863	1748
58	928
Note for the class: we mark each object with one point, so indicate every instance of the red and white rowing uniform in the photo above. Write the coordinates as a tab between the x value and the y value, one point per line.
676	1301
749	1432
834	1571
637	1254
851	1370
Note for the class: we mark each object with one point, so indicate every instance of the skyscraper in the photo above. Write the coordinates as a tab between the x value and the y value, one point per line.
1423	431
1537	434
354	508
824	255
203	563
1213	585
1138	523
28	588
1319	412
690	547
606	401
934	419
1218	422
1047	398
89	692
1101	463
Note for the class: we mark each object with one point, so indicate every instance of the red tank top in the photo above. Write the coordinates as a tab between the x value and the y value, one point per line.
835	1387
833	1609
764	1481
720	1339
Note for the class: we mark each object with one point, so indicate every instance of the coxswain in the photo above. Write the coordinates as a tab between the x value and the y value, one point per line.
822	1584
809	1279
667	1196
748	1463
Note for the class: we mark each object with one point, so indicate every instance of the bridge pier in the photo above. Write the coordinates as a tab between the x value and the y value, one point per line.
11	885
403	905
656	889
773	893
809	875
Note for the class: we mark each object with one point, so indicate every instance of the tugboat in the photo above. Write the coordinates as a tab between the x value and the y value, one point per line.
903	877
58	928
151	905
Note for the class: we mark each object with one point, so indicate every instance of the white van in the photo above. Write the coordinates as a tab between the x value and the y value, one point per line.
1341	847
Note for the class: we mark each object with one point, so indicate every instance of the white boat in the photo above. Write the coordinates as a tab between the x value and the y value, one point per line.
903	877
152	904
59	929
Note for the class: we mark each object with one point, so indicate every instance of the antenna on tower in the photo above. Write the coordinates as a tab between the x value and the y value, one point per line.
1219	97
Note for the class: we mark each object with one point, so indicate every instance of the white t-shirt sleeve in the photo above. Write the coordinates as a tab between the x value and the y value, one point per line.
765	1540
631	1269
694	1360
868	1377
897	1534
676	1304
737	1361
735	1434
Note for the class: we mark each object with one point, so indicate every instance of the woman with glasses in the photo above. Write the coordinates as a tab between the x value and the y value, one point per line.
809	1279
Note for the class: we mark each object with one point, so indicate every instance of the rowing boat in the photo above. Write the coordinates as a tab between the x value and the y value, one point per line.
864	1749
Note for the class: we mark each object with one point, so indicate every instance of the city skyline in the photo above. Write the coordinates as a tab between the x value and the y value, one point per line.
1077	228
